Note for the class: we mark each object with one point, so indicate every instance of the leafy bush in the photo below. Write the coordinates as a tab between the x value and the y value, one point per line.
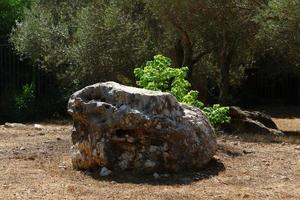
217	114
159	75
24	103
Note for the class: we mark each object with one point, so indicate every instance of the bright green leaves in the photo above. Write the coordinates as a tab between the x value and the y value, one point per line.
159	75
217	114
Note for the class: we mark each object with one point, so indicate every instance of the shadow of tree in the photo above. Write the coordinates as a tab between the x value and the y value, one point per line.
213	168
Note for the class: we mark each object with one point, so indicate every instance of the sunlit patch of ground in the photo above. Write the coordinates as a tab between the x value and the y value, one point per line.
286	124
35	164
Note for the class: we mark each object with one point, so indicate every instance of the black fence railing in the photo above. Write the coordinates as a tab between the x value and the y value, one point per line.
14	74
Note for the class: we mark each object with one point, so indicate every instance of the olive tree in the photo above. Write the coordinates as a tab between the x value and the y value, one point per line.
84	41
279	23
223	30
11	10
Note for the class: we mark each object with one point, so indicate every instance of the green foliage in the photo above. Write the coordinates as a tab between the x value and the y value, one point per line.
159	75
88	41
11	10
83	42
24	102
214	38
217	114
279	27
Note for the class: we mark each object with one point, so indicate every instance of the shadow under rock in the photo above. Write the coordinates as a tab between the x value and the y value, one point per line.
213	168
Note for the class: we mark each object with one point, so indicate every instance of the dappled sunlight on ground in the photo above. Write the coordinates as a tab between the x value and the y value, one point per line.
35	164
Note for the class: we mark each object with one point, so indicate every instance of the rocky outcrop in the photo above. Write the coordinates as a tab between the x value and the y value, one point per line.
127	128
252	123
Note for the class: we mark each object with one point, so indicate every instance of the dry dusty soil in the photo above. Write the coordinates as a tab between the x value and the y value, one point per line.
35	164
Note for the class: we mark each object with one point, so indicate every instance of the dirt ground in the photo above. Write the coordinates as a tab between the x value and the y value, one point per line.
35	164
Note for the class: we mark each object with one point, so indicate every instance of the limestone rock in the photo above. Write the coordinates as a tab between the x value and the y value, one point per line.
38	127
127	128
252	123
14	125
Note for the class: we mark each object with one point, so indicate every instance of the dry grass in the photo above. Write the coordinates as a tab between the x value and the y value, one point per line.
36	165
289	125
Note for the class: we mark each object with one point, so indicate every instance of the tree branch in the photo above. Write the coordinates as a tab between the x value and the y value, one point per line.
198	57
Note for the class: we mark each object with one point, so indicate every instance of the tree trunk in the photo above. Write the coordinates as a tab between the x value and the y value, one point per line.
225	59
184	56
224	84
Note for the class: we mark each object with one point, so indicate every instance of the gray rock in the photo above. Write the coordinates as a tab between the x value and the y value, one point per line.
105	172
38	127
252	123
266	120
14	125
127	128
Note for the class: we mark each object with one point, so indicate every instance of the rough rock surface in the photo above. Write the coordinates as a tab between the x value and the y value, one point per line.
246	122
127	128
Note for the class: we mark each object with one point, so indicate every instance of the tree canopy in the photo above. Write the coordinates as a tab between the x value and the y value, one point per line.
92	40
279	23
10	11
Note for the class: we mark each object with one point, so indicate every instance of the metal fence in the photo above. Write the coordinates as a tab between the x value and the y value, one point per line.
14	74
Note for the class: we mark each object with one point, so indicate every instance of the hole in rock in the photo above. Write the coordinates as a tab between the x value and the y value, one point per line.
156	142
106	106
122	133
102	99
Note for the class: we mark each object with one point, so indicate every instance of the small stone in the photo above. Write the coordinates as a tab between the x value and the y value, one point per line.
14	125
38	127
62	167
22	148
217	157
297	147
247	151
105	172
156	175
285	178
5	186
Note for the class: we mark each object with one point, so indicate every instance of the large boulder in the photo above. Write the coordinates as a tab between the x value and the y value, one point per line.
127	128
257	125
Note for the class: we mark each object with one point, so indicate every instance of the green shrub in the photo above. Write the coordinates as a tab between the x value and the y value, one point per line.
24	103
217	114
159	75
